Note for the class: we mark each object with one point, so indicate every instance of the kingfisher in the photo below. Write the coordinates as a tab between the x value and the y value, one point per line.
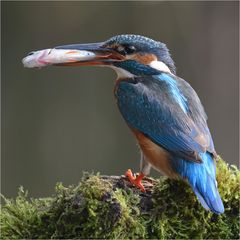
162	110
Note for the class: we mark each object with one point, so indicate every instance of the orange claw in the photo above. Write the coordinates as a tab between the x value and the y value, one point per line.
135	180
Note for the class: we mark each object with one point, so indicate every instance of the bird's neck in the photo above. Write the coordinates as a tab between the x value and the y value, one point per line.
131	69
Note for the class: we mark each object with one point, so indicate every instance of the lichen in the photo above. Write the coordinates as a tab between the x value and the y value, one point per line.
100	208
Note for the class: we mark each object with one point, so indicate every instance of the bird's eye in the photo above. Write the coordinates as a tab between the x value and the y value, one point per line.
125	50
129	49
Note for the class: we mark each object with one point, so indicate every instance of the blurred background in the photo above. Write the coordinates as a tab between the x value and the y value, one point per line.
58	122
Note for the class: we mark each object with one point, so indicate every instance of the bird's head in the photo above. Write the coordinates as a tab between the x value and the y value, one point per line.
129	55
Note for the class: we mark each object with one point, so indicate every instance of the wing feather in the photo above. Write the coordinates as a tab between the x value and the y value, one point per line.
149	105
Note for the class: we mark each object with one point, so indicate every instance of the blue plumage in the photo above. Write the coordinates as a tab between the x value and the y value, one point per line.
148	105
202	178
168	111
175	91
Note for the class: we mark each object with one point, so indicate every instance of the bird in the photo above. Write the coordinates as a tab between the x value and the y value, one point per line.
162	110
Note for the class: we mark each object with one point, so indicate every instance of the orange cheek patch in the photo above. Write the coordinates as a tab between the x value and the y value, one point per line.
144	59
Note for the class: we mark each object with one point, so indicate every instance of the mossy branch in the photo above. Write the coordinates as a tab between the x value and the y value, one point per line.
109	207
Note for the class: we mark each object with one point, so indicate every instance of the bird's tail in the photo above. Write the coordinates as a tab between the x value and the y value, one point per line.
210	199
205	185
202	178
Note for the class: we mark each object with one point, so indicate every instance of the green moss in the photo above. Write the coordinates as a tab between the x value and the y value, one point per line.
103	208
22	218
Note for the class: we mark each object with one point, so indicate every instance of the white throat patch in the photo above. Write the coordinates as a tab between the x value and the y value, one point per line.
160	66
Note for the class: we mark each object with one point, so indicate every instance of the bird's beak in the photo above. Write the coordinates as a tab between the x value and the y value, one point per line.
72	55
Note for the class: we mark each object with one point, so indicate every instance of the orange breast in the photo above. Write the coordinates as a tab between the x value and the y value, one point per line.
157	156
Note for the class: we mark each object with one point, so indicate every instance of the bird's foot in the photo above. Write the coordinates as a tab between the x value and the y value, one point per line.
137	181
